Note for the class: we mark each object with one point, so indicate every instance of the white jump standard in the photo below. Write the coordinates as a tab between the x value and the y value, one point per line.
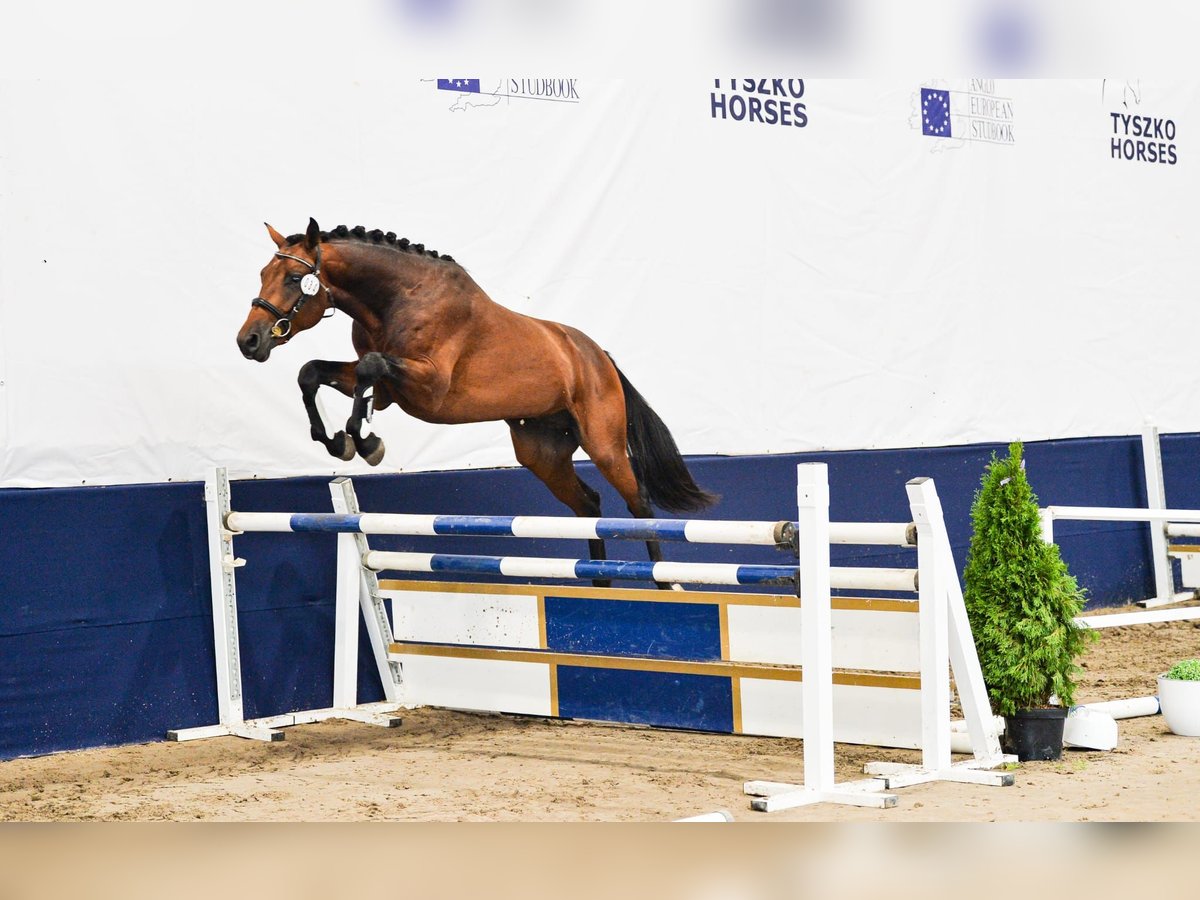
1164	524
944	634
945	640
355	587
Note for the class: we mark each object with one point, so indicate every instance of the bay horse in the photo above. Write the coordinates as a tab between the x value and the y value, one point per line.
429	340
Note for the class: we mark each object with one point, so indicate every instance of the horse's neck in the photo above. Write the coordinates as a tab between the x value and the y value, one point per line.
370	282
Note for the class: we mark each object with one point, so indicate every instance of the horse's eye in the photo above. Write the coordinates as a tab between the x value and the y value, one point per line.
295	279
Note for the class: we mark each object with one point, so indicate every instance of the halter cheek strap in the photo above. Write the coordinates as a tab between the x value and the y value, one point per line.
310	286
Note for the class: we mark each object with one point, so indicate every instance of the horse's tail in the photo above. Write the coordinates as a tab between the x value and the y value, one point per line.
656	460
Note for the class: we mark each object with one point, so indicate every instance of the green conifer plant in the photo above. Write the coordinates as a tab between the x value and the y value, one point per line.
1021	599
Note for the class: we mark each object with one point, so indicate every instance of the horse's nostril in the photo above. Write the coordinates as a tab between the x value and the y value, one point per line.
249	344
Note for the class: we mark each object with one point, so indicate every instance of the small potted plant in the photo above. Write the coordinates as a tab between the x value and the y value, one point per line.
1179	697
1022	603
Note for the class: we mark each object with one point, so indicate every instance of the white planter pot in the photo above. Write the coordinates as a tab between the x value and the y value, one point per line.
1180	702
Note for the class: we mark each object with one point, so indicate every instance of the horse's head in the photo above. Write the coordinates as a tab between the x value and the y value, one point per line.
294	295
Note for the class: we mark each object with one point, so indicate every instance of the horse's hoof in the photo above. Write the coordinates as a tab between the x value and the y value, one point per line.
341	446
371	449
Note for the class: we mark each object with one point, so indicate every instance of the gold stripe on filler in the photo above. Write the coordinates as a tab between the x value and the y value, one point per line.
719	598
543	641
723	669
735	683
631	594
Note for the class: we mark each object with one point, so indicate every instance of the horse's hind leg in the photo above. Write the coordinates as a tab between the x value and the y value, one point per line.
544	447
338	375
602	436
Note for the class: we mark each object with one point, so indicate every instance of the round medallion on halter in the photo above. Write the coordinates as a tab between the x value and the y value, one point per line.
309	285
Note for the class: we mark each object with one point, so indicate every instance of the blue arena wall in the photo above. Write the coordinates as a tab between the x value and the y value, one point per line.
105	625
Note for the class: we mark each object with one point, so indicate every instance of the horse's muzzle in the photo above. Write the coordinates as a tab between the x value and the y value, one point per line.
255	344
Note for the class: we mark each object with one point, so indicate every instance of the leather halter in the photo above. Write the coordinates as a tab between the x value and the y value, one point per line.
283	324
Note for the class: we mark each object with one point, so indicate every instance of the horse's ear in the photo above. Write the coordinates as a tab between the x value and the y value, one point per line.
278	238
312	237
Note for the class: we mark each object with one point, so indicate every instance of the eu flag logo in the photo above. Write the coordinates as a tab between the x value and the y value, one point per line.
935	112
461	85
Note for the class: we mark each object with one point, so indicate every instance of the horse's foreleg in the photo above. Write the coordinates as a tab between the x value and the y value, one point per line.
370	370
338	375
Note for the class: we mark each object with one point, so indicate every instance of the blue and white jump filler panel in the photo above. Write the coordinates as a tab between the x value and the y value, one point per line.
708	661
797	663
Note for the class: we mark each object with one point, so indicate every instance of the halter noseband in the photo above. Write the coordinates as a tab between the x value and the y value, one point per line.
310	286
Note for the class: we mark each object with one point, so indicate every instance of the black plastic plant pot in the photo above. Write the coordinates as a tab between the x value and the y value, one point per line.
1035	734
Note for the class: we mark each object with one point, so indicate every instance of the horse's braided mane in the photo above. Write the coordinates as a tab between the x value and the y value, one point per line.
359	233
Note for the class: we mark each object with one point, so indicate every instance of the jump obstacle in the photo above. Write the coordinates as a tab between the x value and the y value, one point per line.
1164	524
487	647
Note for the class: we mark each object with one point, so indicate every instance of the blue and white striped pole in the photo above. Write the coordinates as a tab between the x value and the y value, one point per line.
694	531
542	567
842	578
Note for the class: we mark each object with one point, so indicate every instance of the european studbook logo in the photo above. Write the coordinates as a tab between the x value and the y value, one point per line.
460	85
972	111
470	93
935	112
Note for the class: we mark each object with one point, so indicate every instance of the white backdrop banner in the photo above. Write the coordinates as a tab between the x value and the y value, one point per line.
778	263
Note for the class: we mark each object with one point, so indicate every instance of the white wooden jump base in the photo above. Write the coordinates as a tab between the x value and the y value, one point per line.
355	587
1164	524
479	646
